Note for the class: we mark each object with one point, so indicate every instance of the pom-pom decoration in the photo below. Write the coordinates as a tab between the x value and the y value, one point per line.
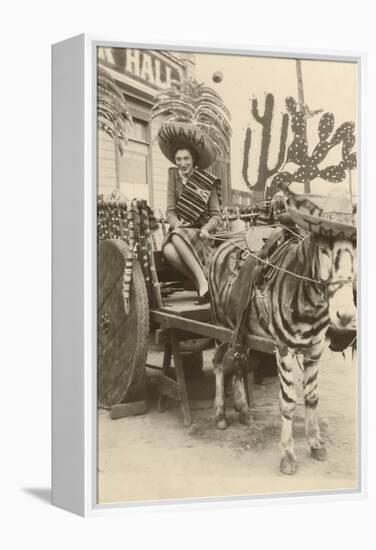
217	77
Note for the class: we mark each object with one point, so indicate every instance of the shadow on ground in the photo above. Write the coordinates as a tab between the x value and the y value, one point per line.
44	494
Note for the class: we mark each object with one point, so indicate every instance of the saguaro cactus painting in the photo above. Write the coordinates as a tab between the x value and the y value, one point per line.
309	166
264	170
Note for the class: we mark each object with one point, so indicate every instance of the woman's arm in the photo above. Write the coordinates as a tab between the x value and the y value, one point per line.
171	216
214	212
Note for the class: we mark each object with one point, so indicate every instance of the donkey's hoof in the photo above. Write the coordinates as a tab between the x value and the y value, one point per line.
222	424
245	418
319	453
288	464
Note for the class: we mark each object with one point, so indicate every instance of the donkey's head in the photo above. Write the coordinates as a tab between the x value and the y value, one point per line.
330	220
336	268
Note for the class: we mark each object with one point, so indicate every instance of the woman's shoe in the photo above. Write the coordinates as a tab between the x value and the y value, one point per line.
204	299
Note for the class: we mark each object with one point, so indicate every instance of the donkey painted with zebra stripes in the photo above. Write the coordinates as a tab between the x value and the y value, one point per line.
295	311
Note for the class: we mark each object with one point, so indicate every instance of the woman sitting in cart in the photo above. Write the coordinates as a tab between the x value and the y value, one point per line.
193	201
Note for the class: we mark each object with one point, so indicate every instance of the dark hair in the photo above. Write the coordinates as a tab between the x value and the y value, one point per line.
192	151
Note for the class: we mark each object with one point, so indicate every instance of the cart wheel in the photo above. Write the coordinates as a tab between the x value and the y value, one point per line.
122	337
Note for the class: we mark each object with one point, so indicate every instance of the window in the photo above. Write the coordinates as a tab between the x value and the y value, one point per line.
133	165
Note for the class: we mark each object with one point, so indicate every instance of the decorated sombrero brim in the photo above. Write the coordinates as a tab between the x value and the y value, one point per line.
326	216
173	135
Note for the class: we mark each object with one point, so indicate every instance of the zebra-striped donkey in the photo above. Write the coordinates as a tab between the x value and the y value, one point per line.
312	288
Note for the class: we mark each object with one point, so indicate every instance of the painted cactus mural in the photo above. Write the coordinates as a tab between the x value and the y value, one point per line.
309	166
264	170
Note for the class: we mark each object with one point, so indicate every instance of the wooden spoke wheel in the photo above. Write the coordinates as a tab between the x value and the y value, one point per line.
122	336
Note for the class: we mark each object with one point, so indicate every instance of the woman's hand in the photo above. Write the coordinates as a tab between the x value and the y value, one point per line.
204	233
181	224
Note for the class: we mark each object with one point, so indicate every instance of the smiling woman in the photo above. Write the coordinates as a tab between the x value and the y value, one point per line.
193	202
185	160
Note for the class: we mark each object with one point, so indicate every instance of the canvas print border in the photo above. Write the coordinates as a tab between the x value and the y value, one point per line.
84	426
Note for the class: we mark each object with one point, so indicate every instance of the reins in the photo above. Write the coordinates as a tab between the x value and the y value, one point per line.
267	262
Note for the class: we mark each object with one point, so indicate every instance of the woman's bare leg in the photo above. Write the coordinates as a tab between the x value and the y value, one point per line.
173	258
189	259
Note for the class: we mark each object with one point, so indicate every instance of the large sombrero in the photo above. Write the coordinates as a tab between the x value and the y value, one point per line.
173	136
329	216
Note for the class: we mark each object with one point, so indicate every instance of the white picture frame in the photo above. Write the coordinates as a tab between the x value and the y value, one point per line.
74	419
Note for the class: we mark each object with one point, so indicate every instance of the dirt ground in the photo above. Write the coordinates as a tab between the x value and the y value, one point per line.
153	457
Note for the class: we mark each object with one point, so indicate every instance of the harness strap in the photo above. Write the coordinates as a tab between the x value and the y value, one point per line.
245	303
276	257
272	249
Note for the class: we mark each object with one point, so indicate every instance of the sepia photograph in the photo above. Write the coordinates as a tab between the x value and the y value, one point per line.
227	199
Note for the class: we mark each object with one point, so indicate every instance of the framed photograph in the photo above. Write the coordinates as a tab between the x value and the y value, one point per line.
207	218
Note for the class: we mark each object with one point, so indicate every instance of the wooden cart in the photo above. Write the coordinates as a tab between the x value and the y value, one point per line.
140	297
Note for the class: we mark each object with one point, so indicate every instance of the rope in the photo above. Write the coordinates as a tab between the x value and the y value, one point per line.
244	231
286	228
269	264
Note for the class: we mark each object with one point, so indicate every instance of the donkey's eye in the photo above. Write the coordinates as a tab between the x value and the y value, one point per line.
236	355
324	251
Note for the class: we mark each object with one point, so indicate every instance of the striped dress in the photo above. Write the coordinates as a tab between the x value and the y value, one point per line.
197	209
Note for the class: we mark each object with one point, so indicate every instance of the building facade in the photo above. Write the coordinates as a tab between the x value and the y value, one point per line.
142	171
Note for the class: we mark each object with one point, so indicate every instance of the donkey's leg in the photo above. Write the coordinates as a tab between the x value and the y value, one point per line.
219	401
239	393
311	399
287	402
